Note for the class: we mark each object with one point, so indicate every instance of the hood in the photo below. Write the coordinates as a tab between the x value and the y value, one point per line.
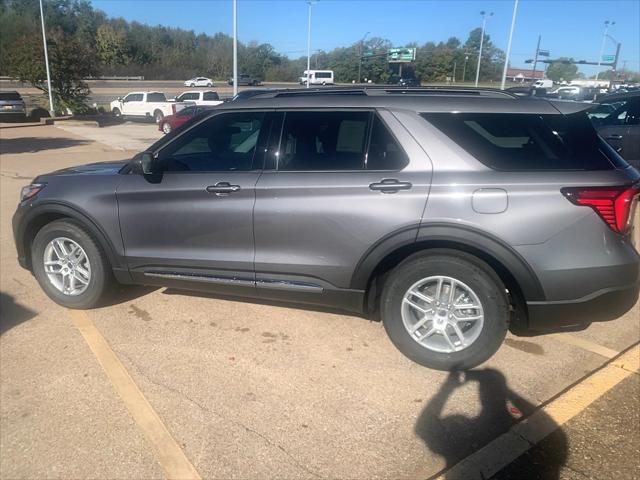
101	168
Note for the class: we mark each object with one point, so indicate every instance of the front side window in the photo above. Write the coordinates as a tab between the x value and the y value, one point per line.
323	141
189	96
134	97
513	142
222	143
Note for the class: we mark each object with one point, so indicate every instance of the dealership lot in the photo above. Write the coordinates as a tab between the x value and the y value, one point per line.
246	390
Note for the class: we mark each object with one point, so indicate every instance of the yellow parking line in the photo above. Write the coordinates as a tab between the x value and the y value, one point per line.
168	453
585	344
500	452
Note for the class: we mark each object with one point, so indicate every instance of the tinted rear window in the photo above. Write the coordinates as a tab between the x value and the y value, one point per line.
156	97
10	96
525	141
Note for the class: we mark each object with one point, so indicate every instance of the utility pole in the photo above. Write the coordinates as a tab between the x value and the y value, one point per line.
464	68
506	60
607	24
484	24
535	60
235	47
46	62
455	64
360	57
310	3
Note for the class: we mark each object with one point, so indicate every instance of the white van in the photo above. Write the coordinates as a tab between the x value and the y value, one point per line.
543	83
317	77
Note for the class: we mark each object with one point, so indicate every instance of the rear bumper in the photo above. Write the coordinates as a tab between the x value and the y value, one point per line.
601	306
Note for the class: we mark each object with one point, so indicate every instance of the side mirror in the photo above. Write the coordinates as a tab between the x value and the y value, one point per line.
119	99
142	163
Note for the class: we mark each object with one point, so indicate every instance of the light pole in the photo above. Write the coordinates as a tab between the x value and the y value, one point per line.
310	3
235	47
506	59
360	56
484	24
46	62
464	68
607	24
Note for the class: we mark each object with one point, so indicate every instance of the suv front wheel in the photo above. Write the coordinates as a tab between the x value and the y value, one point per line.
444	311
69	265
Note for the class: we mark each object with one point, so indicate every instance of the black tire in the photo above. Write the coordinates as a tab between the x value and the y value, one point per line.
166	128
116	112
158	116
101	275
192	85
209	85
474	273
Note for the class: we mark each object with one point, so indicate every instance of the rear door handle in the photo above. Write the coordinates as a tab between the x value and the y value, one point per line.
389	185
222	189
614	136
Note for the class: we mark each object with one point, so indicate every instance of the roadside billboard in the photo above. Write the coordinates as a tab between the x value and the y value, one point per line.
401	55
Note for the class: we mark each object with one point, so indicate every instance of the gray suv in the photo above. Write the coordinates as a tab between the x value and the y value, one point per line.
452	214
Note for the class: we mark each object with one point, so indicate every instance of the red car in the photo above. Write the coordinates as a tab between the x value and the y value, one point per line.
171	122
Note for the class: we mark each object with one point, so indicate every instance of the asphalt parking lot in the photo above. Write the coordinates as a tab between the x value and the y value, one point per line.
246	390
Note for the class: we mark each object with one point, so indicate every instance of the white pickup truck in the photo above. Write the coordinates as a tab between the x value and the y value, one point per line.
200	97
146	105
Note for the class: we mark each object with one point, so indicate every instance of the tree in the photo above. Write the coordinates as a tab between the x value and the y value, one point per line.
111	45
560	71
69	63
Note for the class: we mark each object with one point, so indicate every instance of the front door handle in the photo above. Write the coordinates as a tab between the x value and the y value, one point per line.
222	189
390	185
614	136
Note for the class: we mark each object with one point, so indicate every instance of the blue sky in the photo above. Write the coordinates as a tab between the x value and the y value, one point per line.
568	28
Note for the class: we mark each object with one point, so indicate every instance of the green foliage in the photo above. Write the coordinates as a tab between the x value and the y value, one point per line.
562	71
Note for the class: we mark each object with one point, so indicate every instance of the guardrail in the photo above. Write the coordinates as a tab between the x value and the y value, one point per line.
111	77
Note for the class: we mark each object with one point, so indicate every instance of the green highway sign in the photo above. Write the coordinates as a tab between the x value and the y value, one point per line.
608	58
401	55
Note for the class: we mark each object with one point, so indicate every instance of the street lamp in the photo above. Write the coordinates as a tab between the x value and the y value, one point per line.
484	24
464	69
46	62
360	56
506	59
310	3
607	24
235	47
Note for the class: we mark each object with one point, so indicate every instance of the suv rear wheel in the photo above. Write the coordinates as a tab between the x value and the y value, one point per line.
444	311
69	265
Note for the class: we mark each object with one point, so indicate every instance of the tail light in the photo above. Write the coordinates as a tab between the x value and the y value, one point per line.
615	205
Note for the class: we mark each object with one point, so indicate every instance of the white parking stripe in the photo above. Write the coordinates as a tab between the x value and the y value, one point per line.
168	453
584	344
499	453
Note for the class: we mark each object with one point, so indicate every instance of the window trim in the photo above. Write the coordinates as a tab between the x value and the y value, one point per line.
373	114
255	168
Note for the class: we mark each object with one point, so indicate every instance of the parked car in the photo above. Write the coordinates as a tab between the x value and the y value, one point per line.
575	93
316	77
198	82
617	120
454	213
404	81
171	122
246	80
148	105
200	97
12	106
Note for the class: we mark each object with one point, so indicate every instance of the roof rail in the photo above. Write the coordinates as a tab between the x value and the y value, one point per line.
374	90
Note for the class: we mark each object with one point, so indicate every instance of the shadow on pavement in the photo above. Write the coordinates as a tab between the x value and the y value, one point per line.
36	144
12	313
457	436
126	293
